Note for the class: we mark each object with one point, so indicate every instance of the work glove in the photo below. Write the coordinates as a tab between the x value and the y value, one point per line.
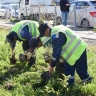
26	51
23	58
29	54
32	58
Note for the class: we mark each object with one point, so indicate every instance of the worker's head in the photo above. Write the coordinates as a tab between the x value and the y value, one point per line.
44	30
11	38
34	43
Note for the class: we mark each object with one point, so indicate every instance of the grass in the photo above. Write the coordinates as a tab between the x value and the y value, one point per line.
18	79
14	20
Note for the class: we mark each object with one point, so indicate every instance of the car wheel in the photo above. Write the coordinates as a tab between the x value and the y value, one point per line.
59	20
85	24
22	17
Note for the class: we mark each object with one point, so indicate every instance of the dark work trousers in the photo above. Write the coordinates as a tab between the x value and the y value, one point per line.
25	45
80	67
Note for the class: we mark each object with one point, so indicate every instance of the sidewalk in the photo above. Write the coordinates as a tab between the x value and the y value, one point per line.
83	33
86	34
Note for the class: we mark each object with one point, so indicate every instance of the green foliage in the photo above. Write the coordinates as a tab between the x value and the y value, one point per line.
21	77
94	29
41	21
14	20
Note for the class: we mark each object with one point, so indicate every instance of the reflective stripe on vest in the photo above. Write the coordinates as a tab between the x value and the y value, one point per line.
72	38
19	30
45	39
32	29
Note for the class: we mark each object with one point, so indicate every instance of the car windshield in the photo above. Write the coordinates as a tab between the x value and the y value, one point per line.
3	7
14	7
94	2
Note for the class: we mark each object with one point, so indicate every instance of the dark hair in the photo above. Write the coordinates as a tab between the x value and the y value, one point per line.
10	36
42	28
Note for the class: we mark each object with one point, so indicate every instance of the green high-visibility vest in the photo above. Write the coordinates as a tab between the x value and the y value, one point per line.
46	41
74	46
33	28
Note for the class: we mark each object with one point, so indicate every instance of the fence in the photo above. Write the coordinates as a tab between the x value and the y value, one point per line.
45	13
78	16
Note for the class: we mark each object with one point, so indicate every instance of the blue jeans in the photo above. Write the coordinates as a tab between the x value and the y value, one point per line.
64	18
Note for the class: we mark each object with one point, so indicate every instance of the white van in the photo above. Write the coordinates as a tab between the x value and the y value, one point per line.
30	7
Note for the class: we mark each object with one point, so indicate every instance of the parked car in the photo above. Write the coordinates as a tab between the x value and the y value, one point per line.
4	11
14	10
85	13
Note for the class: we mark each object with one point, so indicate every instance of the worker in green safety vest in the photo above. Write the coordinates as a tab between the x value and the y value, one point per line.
36	43
46	43
71	47
23	31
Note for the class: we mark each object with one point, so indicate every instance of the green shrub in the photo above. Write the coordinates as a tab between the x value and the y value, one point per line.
14	20
23	78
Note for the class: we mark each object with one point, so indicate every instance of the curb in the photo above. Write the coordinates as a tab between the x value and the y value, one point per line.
79	31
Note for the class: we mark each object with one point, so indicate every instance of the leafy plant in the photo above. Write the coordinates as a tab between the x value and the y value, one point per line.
14	20
21	78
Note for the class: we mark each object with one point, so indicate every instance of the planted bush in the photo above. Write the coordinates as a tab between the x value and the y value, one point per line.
21	78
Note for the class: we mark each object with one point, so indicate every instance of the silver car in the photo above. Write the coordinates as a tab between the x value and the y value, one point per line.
82	13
